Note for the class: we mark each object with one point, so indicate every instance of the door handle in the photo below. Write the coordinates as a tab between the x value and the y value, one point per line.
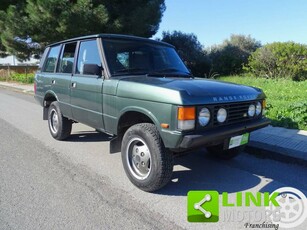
53	82
73	85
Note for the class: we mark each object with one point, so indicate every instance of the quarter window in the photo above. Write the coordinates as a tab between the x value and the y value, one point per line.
52	59
88	54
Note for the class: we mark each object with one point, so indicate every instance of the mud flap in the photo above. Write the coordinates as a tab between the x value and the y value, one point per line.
115	144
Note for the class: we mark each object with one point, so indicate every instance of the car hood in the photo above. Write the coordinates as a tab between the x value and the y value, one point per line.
185	90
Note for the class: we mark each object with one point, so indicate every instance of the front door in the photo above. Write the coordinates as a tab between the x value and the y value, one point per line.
86	89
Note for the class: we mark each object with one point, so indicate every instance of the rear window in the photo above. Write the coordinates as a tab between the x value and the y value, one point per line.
66	60
51	59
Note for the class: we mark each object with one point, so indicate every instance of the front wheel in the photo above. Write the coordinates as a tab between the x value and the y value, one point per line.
219	152
59	126
147	163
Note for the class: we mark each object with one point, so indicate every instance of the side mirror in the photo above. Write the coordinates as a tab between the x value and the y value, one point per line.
92	69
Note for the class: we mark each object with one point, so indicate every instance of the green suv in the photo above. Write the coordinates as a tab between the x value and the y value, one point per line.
139	91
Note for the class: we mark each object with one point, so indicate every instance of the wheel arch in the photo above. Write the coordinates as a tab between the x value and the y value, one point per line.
50	97
132	117
129	117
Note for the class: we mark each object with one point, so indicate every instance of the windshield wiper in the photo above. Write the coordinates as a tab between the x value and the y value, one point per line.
170	71
130	71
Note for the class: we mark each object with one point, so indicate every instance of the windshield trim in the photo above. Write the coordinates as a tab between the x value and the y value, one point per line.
157	54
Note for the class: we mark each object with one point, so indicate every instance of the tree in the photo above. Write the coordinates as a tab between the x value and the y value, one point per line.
231	55
6	3
279	60
49	21
190	50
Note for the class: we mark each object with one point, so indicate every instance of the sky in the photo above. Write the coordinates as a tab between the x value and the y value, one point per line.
213	21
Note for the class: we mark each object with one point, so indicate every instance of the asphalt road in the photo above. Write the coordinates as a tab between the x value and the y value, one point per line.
77	184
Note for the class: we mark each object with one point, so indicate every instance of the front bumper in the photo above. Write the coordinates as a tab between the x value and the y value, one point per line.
220	134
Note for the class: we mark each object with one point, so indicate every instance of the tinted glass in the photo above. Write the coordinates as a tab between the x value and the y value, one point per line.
88	54
142	57
66	61
52	59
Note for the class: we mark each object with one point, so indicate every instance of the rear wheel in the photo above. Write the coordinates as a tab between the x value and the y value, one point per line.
219	152
147	163
59	126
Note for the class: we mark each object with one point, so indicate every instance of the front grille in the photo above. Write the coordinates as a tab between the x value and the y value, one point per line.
236	112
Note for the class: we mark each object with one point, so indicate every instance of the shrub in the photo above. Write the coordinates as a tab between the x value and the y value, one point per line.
19	77
23	78
279	60
229	57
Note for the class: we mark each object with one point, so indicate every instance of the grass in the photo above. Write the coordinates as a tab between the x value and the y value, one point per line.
286	99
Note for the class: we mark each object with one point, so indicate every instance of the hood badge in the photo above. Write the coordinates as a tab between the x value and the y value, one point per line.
234	98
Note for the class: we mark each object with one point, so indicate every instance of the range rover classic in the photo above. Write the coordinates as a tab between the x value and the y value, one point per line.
139	91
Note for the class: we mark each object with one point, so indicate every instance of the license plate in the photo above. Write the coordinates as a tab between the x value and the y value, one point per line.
238	140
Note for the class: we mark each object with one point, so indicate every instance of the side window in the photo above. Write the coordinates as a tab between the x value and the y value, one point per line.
67	58
88	54
51	59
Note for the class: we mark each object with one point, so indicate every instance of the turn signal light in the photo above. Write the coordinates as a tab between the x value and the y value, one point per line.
186	113
186	118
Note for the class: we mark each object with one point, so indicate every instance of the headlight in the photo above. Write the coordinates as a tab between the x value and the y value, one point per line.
204	116
251	110
258	108
221	115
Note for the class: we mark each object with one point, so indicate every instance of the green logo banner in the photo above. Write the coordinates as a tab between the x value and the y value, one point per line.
203	206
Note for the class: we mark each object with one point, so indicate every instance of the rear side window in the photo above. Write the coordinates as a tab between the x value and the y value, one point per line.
66	61
88	54
52	59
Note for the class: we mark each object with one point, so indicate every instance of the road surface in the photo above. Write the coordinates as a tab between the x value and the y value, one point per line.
77	184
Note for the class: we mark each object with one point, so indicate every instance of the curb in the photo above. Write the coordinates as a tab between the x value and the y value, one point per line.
276	153
18	89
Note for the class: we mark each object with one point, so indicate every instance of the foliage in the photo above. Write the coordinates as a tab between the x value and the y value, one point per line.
286	99
36	23
229	57
190	50
18	77
6	3
279	60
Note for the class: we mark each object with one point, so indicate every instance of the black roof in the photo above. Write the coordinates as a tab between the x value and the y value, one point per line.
112	36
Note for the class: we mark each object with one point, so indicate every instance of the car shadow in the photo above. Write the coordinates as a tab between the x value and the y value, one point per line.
88	136
200	171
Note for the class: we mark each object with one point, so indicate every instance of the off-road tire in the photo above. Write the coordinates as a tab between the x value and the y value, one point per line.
146	136
59	126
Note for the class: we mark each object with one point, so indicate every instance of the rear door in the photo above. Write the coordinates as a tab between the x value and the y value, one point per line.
61	81
86	89
56	79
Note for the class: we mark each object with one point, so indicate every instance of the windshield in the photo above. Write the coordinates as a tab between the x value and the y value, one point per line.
136	57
